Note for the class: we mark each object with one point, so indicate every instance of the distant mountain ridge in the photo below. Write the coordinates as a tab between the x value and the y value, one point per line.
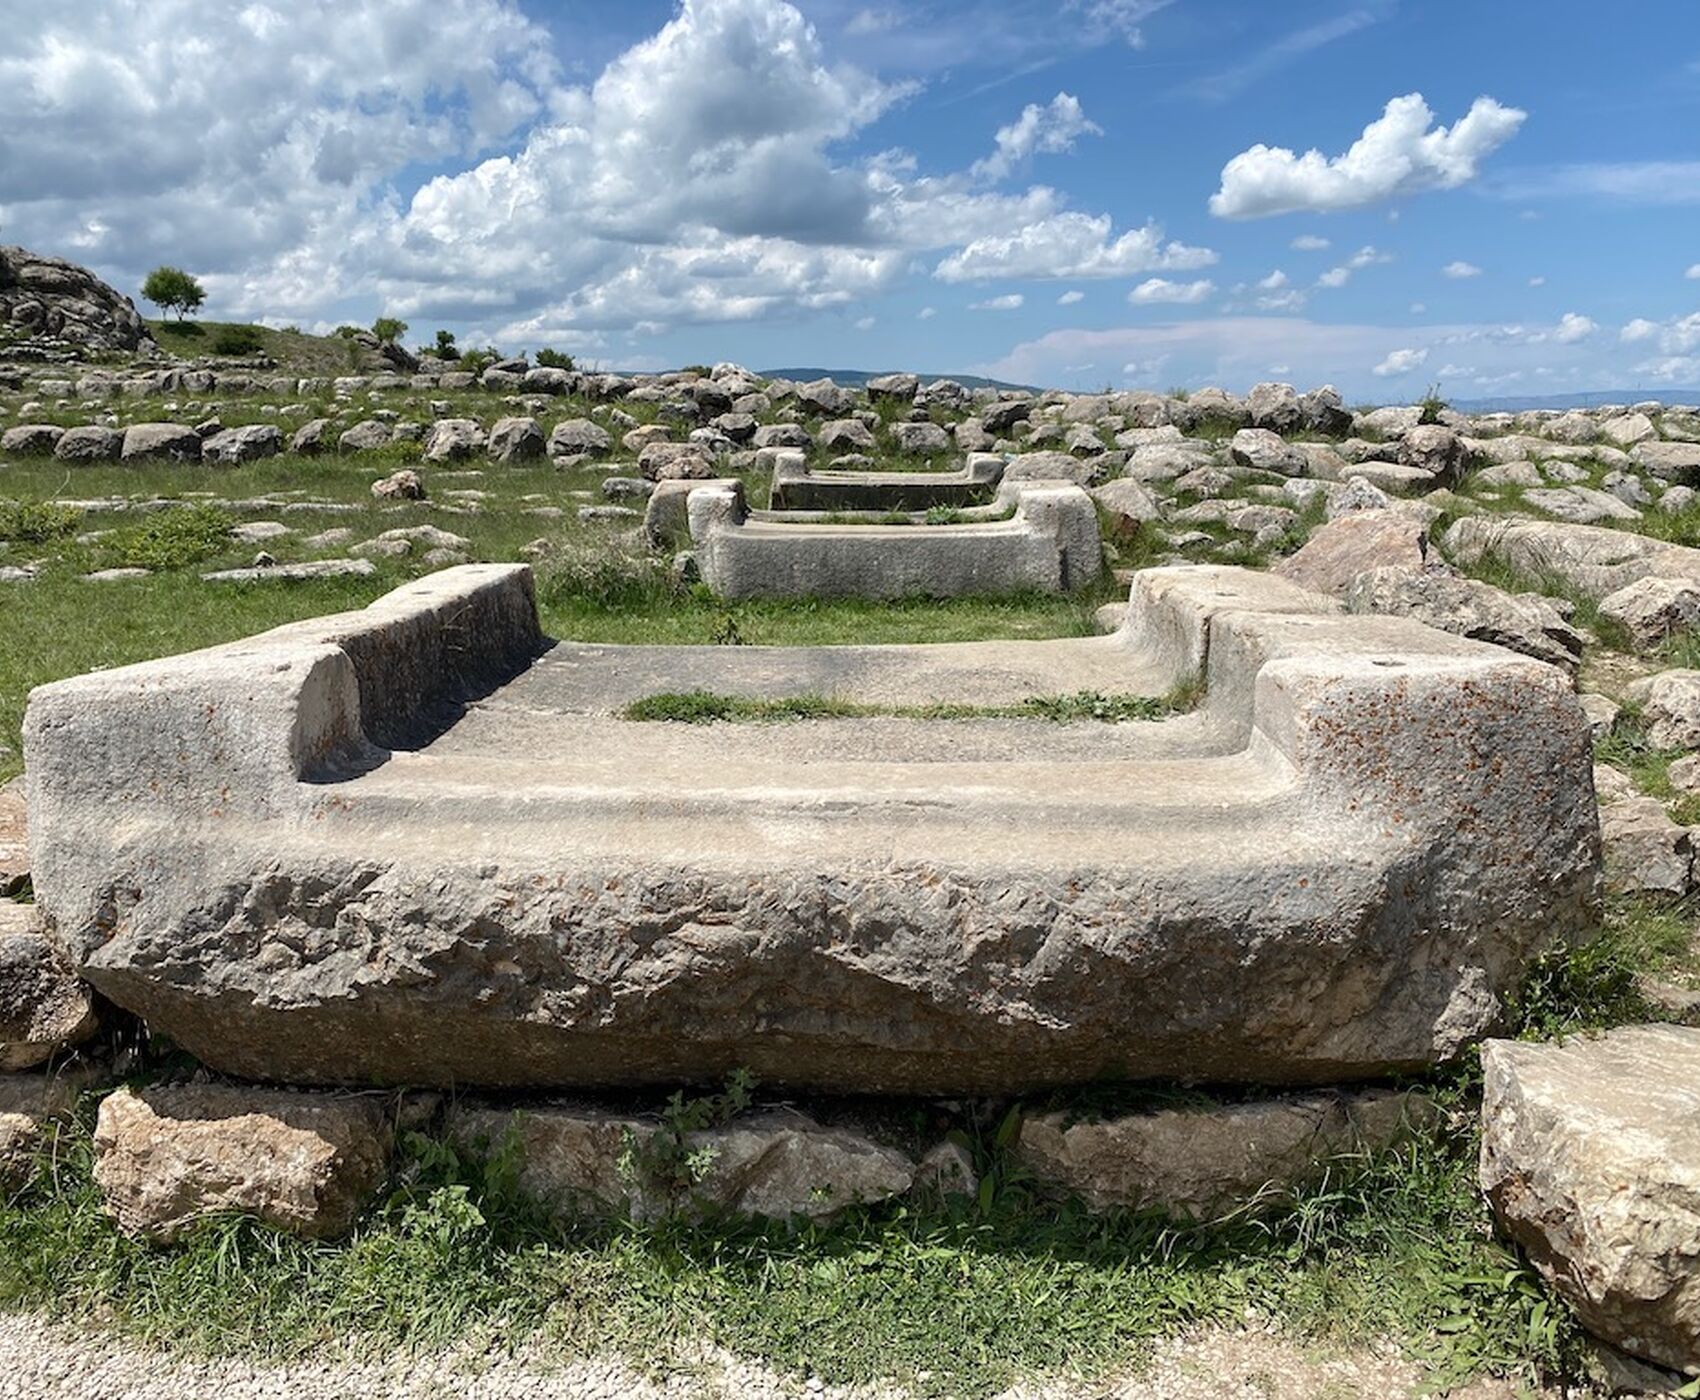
1592	398
856	377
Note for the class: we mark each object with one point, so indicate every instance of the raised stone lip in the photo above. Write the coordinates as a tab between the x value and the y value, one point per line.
799	486
1044	539
417	844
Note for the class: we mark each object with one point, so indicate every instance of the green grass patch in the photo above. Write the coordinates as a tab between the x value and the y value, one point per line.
956	1297
37	522
168	539
705	707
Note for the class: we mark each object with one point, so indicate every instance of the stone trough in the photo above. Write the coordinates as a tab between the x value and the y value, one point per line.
798	486
421	844
1040	537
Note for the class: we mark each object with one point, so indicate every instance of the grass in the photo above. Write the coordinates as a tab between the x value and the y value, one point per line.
294	351
704	707
951	1297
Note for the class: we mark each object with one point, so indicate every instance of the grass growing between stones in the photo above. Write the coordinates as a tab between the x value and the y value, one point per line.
704	707
956	1297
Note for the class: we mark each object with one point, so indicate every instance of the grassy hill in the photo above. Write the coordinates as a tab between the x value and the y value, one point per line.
294	351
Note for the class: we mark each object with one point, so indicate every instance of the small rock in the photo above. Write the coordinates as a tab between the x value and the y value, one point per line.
291	573
44	1008
31	1105
403	485
236	445
1654	609
1264	451
1670	704
1646	853
169	1155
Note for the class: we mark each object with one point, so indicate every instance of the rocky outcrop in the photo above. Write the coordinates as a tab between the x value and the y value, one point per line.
1591	1159
47	302
31	1105
170	1155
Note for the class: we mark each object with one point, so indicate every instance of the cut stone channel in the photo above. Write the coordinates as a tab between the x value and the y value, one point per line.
419	844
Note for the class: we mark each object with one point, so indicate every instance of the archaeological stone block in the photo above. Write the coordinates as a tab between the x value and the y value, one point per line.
1591	1160
1045	541
419	844
797	486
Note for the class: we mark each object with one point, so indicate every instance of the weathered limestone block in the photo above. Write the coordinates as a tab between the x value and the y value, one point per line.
169	1155
43	1007
1654	609
1047	542
89	443
517	440
453	440
311	856
173	441
1205	1163
1591	1160
1522	622
1645	851
1670	707
31	440
776	1164
234	446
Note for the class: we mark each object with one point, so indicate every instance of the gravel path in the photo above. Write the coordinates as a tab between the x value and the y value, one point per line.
43	1362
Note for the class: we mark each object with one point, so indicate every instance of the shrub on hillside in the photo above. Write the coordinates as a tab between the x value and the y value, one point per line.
554	359
238	340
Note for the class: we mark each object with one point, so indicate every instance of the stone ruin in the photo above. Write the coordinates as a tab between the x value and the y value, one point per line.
421	844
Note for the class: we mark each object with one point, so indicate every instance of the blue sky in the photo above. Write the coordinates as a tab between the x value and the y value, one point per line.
1502	197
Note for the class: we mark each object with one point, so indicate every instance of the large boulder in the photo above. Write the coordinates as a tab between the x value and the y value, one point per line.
1354	544
44	298
453	440
1276	407
31	440
578	435
89	443
1435	449
824	397
517	440
1264	451
170	1155
155	441
899	388
846	435
1591	1159
234	446
1670	461
920	439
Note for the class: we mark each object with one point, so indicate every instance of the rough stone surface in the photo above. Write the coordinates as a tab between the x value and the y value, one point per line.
1264	451
1646	853
89	443
236	445
772	1164
1654	609
1205	1163
403	485
517	440
31	440
169	1155
1354	544
43	1007
399	845
578	435
1670	705
1523	622
1591	1159
145	441
453	440
1593	560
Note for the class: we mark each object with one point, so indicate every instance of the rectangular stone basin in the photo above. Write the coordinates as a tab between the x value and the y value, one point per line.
421	844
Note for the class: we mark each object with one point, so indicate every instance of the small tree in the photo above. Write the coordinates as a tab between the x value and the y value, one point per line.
554	359
172	289
446	348
388	329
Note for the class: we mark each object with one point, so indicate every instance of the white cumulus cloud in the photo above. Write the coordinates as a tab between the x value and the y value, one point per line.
1572	328
1638	329
1048	130
1460	270
1160	289
1400	362
1013	301
1070	245
1401	153
1071	298
1693	273
1309	243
